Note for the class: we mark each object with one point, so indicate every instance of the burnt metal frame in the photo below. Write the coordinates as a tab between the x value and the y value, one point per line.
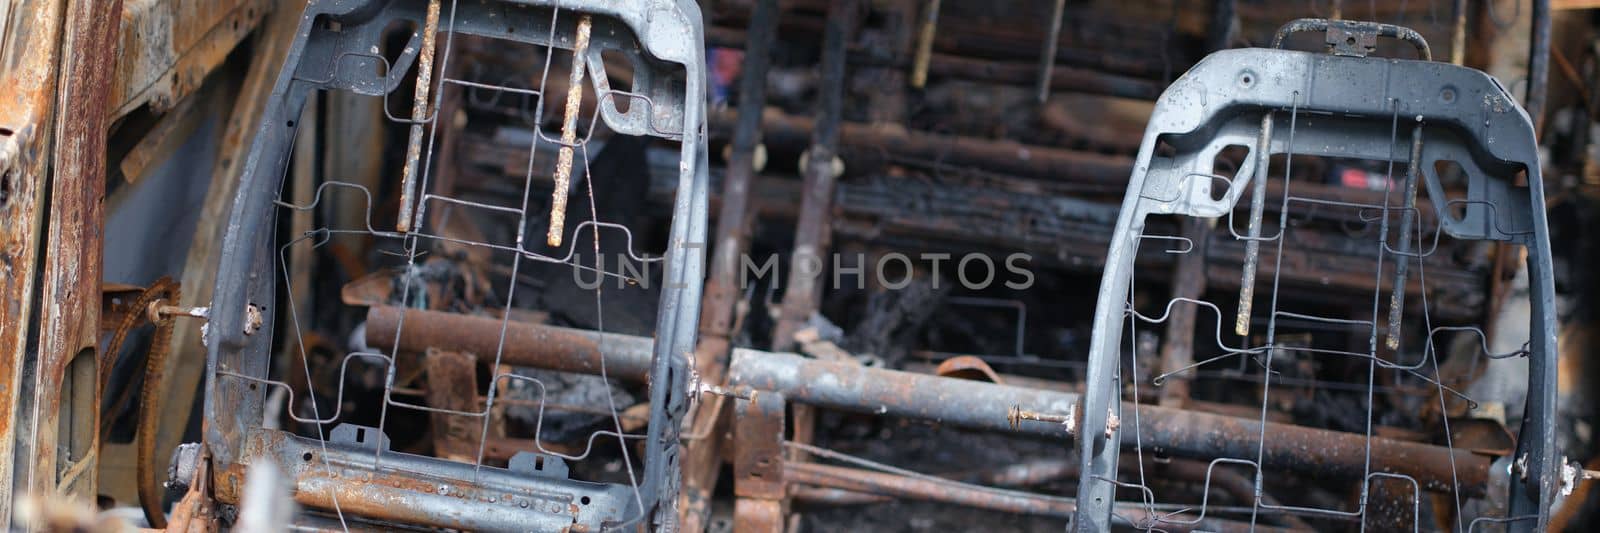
333	50
1345	105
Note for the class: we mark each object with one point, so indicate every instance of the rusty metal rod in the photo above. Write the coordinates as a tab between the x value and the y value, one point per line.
735	216
1006	157
832	496
814	229
851	387
1178	432
1252	246
1458	33
885	484
1408	221
533	345
870	482
569	136
1047	58
959	402
419	114
919	64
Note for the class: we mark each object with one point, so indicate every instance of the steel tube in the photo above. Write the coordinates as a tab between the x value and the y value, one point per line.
814	229
849	386
1005	157
1047	58
971	404
412	507
869	482
1178	432
1315	451
627	357
424	490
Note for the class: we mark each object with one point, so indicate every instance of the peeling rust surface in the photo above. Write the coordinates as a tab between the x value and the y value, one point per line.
419	116
25	108
347	480
70	302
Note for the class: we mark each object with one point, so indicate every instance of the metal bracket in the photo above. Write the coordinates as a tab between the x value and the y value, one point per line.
758	463
1353	38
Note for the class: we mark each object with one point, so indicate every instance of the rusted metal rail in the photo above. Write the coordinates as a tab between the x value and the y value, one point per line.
814	229
963	403
25	109
1178	432
627	357
1002	156
863	481
66	390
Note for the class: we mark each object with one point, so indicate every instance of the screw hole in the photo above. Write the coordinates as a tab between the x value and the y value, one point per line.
584	500
291	123
306	457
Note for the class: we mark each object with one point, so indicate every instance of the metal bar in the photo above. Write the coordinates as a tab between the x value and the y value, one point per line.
758	464
419	114
870	482
532	345
964	403
425	491
1458	33
851	387
919	64
30	85
733	219
1005	157
811	495
569	135
420	508
1047	58
1408	221
1252	246
814	229
1179	432
67	384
